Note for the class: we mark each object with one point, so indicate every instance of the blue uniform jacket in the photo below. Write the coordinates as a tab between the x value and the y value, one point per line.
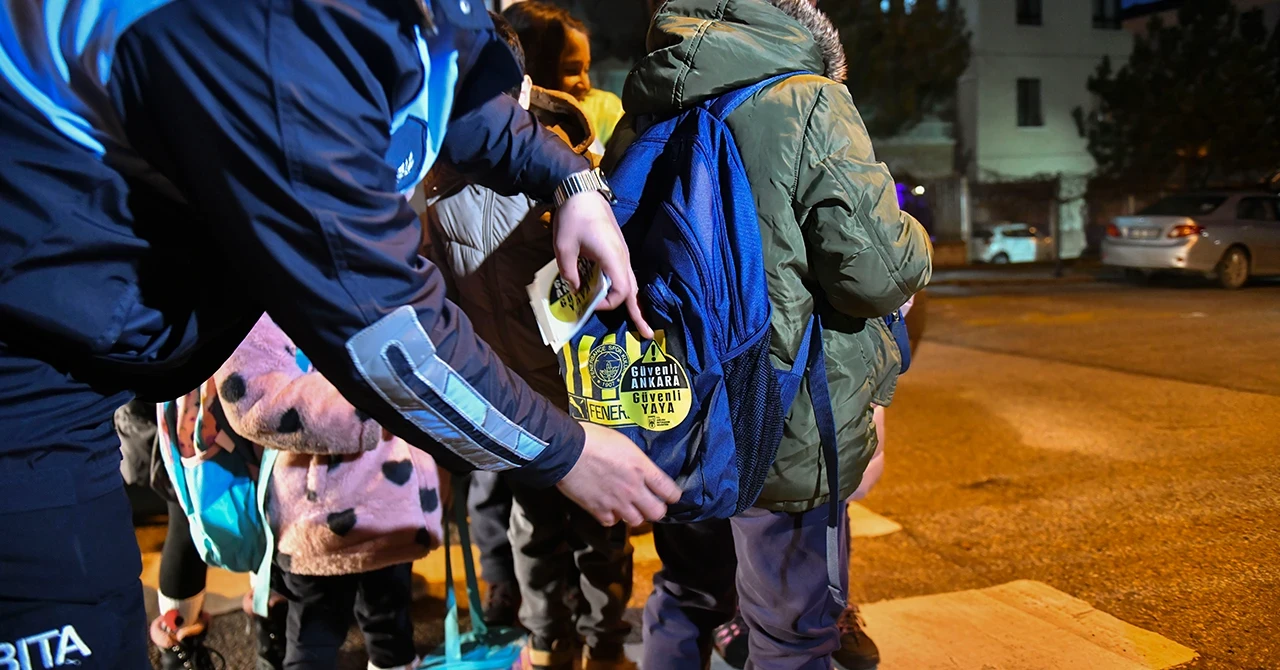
171	168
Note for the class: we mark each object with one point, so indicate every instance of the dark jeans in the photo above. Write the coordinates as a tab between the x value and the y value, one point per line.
693	593
489	506
558	545
780	575
320	611
69	588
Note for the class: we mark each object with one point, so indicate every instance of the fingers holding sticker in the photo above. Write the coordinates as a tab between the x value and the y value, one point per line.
568	305
560	309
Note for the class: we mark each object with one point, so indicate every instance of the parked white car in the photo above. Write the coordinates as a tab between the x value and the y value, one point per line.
1226	236
1011	243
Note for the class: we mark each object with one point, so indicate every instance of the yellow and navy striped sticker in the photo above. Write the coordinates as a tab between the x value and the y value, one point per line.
630	383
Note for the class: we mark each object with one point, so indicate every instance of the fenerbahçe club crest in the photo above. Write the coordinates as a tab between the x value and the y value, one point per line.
630	383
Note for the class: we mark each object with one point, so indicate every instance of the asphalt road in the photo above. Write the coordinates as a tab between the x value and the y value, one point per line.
1117	442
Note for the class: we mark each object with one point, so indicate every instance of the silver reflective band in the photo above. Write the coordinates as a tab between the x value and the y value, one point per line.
455	414
581	182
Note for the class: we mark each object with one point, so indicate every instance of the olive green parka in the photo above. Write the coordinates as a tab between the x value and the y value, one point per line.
835	241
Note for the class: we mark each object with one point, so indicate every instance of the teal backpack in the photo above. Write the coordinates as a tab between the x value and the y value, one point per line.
225	504
483	647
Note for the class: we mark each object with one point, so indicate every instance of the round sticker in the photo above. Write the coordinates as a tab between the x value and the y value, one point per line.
606	364
565	304
655	391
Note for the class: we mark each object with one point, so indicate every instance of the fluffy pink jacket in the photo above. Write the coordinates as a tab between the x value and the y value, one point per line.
342	500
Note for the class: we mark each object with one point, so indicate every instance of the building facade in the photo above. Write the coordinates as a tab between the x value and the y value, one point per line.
1016	103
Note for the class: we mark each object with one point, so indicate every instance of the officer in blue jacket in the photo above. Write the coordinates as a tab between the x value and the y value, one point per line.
171	168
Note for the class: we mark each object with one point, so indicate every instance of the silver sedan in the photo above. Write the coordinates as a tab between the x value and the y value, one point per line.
1225	236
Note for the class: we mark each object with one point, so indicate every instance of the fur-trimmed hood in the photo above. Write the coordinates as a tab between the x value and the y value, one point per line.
700	49
824	34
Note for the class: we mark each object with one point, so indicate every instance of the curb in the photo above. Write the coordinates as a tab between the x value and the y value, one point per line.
1014	281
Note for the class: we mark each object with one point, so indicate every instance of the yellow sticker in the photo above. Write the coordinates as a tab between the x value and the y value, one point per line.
567	305
632	383
655	390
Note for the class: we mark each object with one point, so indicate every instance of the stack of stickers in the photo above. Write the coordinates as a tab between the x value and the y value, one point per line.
560	310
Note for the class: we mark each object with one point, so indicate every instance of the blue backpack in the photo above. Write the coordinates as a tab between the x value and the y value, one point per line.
702	399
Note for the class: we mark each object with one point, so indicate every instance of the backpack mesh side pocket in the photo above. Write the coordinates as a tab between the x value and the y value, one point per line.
755	408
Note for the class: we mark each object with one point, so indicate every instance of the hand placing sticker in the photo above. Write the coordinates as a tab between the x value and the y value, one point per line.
560	310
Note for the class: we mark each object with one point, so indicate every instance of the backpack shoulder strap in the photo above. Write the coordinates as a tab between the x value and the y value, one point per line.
261	578
811	365
724	105
820	395
452	631
897	325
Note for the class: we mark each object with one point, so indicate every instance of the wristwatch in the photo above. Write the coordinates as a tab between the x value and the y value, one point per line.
581	182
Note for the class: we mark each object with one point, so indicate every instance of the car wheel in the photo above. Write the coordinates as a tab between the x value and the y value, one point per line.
1233	269
1000	259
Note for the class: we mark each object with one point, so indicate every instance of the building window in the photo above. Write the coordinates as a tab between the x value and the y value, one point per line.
907	5
1106	14
1029	13
1029	115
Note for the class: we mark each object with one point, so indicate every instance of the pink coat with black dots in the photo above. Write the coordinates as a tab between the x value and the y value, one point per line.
342	500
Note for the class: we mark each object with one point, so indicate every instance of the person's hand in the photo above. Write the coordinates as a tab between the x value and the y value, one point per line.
584	226
615	481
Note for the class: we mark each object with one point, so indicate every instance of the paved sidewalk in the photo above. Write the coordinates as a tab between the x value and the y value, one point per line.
1021	625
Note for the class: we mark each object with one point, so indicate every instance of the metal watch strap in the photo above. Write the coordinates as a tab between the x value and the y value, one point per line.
581	182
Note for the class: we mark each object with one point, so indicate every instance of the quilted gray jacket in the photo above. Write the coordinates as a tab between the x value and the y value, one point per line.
489	246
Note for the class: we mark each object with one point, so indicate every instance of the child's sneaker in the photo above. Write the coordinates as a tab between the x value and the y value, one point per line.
181	645
542	654
857	650
731	642
607	657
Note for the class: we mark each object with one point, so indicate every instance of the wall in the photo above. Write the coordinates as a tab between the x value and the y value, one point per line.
1061	53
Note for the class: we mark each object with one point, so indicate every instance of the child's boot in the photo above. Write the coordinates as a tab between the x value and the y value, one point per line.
542	654
857	650
181	644
270	634
502	604
607	656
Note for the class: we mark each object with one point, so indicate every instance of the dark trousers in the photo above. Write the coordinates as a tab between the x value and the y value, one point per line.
183	573
69	588
489	506
693	593
780	575
320	611
557	546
